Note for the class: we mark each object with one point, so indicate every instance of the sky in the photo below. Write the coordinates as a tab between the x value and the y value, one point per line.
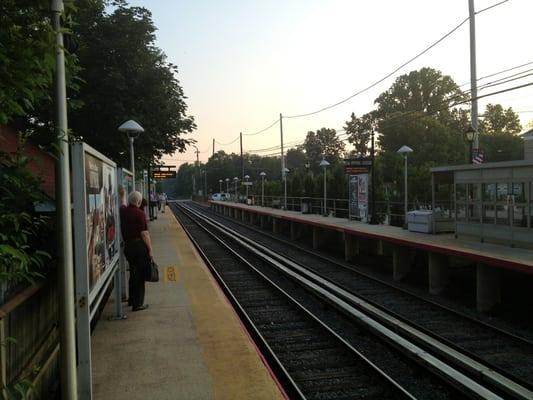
242	63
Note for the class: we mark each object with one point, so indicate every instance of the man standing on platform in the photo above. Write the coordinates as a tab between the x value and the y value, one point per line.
138	248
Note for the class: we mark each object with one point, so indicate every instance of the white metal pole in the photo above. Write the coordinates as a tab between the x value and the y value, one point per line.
220	187
283	173
473	72
325	198
405	189
67	327
132	161
262	191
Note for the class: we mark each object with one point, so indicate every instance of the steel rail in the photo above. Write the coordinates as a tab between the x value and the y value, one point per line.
401	290
255	331
346	301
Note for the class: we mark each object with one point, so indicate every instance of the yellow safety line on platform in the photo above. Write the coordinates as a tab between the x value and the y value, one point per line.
221	335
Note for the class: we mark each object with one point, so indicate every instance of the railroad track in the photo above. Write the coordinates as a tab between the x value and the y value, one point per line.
459	370
505	352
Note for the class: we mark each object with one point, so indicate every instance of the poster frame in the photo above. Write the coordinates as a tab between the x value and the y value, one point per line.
88	299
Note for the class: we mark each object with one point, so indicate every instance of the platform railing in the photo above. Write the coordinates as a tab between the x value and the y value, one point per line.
388	212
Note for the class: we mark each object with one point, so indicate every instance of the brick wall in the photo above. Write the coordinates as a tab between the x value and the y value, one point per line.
41	164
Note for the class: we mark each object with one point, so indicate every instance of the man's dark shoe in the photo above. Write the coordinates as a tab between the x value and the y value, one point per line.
143	307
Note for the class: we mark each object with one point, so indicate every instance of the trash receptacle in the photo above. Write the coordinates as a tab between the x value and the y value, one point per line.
305	205
420	221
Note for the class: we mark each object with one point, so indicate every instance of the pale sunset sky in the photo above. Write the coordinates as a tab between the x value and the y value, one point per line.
241	63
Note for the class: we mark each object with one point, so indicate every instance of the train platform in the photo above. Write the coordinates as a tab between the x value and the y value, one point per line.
444	251
189	343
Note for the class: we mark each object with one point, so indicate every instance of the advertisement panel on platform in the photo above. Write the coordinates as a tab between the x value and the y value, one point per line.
96	245
358	201
101	213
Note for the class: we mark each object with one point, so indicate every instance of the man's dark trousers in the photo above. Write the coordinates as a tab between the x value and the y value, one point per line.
137	256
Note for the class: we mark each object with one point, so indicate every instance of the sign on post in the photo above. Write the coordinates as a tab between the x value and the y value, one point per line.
96	243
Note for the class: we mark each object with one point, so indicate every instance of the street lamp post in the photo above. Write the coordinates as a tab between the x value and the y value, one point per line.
262	174
227	185
132	129
66	299
235	179
470	134
246	177
284	173
220	185
324	164
405	150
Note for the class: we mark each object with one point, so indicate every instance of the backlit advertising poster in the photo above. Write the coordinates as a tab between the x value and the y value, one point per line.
101	214
358	196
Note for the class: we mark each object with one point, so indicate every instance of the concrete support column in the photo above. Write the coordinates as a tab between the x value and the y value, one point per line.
253	218
351	247
295	230
262	221
439	273
488	287
316	237
378	247
401	265
276	225
244	216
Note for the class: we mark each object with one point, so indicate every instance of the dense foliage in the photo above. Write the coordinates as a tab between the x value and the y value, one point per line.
22	233
125	76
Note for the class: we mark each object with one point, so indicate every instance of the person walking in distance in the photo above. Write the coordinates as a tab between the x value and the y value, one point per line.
137	248
162	202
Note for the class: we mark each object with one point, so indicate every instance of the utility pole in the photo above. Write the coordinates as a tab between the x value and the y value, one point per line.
242	158
213	146
197	169
473	73
283	174
67	327
373	217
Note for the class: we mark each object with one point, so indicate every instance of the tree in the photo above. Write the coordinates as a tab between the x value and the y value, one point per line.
323	143
497	121
498	134
27	56
418	111
359	131
295	158
125	76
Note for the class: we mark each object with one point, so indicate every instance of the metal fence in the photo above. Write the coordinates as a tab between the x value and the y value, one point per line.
388	212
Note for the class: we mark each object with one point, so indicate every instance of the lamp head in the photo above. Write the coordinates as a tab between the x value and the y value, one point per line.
263	174
131	128
227	179
404	150
324	163
246	176
469	134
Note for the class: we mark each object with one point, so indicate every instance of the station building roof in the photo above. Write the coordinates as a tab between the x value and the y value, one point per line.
489	165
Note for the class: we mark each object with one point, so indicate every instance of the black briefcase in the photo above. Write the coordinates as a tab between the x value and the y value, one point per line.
152	273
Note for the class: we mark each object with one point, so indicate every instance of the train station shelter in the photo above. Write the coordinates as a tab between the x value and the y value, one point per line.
490	202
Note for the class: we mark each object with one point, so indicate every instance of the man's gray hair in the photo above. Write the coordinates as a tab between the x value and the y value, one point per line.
135	198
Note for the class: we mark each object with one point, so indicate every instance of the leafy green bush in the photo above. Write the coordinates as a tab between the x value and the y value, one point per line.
21	230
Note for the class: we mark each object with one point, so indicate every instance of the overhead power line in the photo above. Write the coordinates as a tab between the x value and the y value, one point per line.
227	144
262	130
395	70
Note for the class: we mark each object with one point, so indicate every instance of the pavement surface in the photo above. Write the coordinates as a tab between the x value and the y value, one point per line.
189	344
